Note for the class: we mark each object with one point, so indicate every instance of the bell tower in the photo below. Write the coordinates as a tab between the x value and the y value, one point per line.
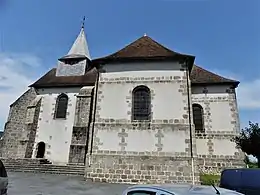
78	58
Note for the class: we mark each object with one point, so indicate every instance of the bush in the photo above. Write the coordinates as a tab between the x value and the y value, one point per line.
209	179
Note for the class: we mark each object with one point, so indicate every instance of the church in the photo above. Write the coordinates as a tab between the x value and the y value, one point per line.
142	114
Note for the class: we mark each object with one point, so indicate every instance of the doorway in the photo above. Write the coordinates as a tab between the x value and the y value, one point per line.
40	150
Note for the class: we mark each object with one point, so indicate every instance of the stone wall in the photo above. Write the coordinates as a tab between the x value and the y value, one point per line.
15	125
81	128
33	112
140	169
157	150
214	147
216	164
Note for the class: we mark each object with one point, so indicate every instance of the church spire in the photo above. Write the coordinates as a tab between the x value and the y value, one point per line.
79	48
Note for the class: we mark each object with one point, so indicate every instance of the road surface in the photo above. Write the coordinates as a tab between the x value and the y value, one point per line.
47	184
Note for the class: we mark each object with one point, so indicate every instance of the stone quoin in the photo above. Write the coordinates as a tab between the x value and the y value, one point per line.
143	114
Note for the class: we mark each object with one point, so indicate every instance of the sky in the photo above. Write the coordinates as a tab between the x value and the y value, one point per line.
224	35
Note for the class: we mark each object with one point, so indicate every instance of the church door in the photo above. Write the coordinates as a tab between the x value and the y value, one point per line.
40	150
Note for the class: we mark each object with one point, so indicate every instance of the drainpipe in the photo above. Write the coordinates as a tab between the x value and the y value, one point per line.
94	118
89	125
190	126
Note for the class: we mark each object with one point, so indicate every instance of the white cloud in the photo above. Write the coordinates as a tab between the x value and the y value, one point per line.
17	71
248	93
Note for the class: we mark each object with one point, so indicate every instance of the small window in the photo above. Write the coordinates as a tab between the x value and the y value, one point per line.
141	105
198	117
61	106
141	192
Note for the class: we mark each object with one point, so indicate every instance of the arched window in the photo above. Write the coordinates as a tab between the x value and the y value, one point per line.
198	117
61	106
141	103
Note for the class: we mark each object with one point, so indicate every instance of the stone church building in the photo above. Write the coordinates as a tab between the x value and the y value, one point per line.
144	113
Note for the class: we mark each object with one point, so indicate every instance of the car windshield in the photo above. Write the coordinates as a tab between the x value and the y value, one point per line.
2	170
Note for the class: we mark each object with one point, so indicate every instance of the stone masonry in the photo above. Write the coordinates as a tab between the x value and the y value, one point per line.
80	131
141	167
212	163
120	168
13	146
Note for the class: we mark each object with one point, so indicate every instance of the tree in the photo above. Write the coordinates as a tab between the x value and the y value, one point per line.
249	141
246	161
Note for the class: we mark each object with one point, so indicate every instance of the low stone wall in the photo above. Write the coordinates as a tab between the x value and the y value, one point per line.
140	169
217	165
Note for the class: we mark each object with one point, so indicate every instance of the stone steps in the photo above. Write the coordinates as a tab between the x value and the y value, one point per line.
38	167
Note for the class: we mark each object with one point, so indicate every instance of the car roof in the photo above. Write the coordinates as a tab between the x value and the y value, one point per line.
183	189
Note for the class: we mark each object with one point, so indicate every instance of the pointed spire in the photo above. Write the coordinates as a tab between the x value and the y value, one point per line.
79	48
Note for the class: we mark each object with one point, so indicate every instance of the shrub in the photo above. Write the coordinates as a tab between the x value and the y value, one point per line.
209	179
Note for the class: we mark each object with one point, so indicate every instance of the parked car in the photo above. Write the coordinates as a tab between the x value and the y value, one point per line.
3	179
177	189
241	180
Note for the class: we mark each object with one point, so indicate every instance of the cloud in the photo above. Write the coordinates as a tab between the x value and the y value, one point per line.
248	95
17	71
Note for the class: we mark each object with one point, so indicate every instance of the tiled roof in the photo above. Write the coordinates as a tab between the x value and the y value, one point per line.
199	76
51	80
143	48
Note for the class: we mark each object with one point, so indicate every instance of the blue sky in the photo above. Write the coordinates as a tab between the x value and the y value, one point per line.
224	35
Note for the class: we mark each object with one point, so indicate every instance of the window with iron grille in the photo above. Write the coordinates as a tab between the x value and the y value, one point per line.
61	106
198	117
141	103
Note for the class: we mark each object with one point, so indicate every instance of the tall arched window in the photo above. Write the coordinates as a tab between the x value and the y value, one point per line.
61	106
198	117
141	103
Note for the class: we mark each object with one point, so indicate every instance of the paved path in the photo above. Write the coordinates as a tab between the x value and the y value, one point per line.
47	184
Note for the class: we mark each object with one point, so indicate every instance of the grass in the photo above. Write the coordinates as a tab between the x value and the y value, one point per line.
209	179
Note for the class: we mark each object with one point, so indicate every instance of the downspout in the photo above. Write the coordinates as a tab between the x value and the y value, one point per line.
94	119
190	127
89	124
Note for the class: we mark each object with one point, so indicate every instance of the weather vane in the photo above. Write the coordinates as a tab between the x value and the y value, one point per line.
83	22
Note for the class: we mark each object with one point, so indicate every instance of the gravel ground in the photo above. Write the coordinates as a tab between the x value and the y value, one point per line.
47	184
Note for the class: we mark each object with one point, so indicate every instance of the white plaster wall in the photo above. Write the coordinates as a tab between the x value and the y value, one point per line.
224	147
56	133
141	141
167	103
202	147
220	110
108	140
174	141
221	116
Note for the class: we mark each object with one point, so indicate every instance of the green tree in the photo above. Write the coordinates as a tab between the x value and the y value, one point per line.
249	141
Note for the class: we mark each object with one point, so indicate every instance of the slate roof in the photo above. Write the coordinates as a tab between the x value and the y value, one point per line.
79	48
143	48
